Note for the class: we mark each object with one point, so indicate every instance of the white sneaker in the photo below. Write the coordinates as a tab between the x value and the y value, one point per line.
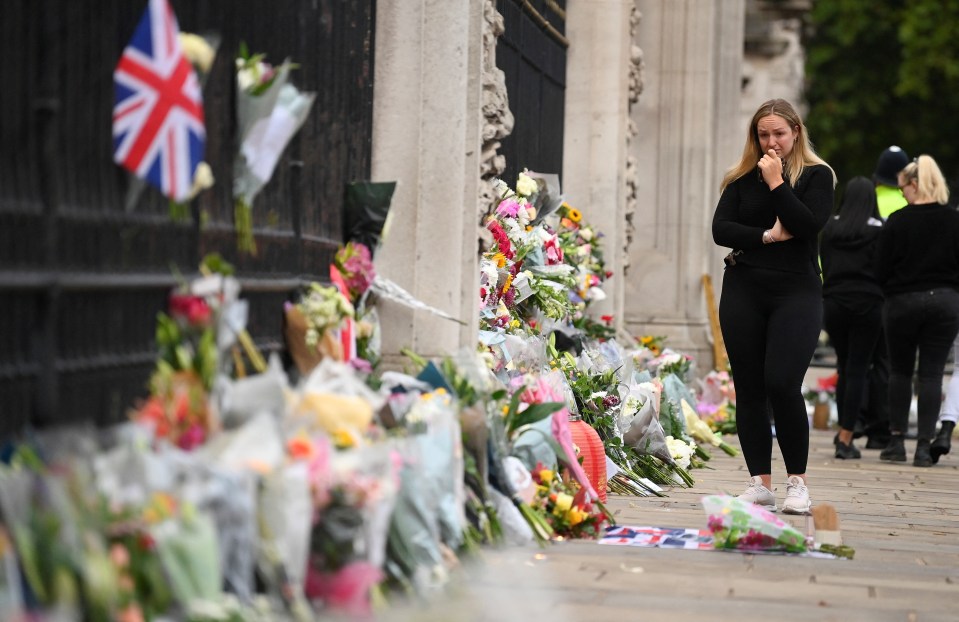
759	495
797	496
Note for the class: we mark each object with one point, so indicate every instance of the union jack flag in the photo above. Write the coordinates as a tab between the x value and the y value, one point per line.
158	131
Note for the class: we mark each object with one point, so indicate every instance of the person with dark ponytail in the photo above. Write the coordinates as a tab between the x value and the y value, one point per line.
852	300
918	270
773	204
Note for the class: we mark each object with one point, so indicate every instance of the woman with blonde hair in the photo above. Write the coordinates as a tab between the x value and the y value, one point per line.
918	270
772	206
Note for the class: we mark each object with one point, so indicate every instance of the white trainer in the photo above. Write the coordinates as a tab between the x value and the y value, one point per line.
759	495
797	496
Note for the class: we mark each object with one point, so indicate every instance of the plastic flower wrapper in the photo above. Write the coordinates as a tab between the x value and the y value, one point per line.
348	539
285	511
441	455
239	400
701	431
188	549
737	524
11	597
269	112
336	400
414	557
544	192
366	212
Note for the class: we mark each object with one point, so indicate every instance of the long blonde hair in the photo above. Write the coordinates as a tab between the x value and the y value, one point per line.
931	185
801	156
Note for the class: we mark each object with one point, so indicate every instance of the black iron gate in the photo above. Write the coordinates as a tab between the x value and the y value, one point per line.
82	276
532	54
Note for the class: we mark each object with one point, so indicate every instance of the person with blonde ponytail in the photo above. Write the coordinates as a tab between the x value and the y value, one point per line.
772	206
918	271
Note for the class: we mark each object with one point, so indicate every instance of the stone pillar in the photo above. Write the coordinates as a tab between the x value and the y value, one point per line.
594	136
688	134
426	136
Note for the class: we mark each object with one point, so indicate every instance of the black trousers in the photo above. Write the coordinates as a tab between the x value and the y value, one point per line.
771	322
927	321
854	337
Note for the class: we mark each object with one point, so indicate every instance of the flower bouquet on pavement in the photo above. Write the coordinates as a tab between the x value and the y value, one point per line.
737	524
269	112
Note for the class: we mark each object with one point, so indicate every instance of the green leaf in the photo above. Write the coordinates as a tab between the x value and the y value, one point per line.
532	414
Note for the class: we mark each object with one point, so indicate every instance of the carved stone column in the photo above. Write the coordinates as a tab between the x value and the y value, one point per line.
427	127
689	133
597	125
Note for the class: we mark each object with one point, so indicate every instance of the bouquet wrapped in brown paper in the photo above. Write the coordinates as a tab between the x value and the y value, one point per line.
310	327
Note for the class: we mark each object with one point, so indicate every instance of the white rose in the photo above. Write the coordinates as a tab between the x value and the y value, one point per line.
526	185
586	234
197	51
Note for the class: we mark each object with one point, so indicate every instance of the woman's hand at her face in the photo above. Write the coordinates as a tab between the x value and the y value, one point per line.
771	168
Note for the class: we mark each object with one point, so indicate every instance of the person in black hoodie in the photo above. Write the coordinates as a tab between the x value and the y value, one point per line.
852	300
918	269
773	204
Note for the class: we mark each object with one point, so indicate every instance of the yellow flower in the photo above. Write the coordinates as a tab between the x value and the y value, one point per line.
514	324
646	340
545	476
575	516
343	439
574	214
500	260
507	284
563	502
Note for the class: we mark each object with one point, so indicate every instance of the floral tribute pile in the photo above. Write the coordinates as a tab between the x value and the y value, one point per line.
241	489
539	277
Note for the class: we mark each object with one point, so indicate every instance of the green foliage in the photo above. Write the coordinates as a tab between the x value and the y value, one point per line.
881	73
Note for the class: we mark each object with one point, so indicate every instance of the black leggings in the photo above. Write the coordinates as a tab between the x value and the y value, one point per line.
771	322
854	337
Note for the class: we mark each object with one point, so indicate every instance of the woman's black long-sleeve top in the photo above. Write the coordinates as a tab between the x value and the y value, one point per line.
919	249
748	207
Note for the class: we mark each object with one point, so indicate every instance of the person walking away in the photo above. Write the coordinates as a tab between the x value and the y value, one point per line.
918	270
773	204
874	418
852	301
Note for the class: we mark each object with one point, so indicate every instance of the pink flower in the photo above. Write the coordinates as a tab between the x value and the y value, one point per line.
508	208
192	438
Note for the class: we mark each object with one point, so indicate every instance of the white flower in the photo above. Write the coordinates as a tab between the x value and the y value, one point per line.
680	451
595	294
500	189
526	185
202	179
197	51
245	79
586	234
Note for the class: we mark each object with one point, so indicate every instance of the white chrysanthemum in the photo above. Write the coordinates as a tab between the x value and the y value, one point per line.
680	451
526	185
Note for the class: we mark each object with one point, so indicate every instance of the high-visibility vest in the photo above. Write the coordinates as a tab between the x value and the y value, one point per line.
890	199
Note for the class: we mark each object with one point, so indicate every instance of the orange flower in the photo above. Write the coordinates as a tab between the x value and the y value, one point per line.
300	448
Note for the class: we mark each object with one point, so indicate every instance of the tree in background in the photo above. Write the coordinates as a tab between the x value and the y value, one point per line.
880	73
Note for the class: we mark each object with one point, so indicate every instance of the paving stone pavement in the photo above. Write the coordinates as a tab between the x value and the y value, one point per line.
902	521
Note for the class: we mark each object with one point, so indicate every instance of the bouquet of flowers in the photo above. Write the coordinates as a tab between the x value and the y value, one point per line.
312	325
355	264
567	508
824	392
270	111
737	524
716	403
